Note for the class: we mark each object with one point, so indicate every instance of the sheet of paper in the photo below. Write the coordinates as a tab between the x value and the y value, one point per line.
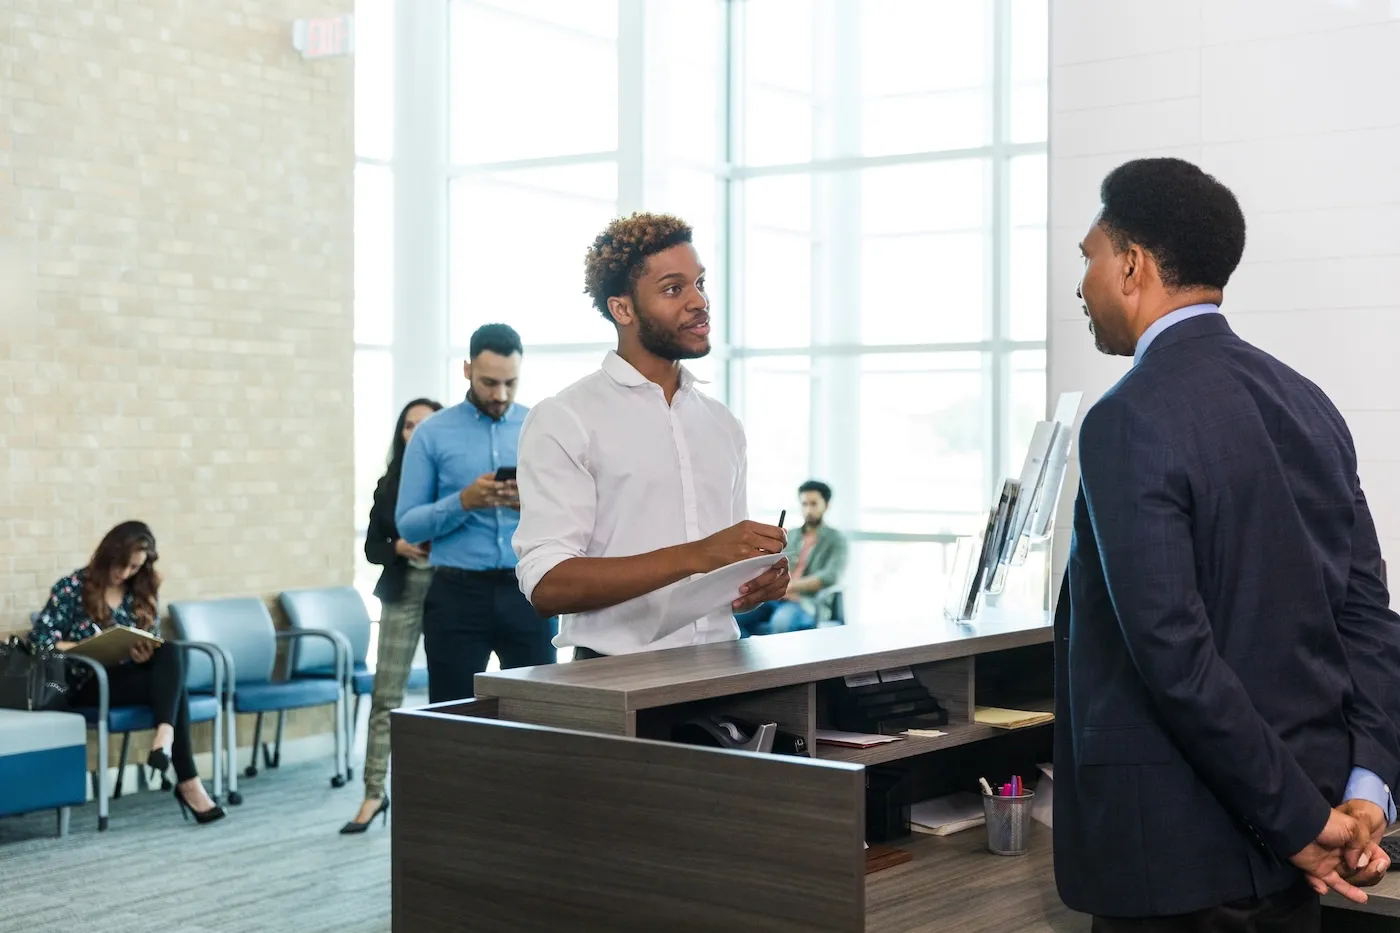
1010	718
853	739
944	815
699	596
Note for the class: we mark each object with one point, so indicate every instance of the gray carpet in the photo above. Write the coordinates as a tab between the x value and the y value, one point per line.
276	863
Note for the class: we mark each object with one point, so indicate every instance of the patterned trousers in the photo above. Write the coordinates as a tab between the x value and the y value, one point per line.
400	626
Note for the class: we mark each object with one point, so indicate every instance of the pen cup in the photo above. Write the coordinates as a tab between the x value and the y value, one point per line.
1008	823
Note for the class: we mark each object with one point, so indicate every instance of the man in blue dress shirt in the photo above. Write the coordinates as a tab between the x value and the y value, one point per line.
449	497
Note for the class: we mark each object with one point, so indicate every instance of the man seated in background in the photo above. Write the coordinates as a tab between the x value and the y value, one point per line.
818	558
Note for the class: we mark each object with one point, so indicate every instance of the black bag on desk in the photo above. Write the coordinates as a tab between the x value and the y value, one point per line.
32	679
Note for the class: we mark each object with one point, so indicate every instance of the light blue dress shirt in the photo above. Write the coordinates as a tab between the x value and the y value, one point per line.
1167	320
1363	783
447	452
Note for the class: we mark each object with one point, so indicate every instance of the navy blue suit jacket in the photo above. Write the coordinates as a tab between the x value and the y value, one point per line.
1224	648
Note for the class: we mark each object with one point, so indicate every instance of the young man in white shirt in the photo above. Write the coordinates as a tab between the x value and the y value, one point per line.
631	480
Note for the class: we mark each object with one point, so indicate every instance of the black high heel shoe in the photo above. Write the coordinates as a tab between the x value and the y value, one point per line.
158	761
351	828
212	815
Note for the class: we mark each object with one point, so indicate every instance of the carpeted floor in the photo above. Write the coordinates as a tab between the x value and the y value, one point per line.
276	863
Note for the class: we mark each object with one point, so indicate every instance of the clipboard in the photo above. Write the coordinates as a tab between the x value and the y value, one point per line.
112	646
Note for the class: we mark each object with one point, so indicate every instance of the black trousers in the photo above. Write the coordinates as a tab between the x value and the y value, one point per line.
159	684
467	615
1296	910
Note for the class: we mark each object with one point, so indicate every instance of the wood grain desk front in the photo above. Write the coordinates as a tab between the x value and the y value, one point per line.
553	801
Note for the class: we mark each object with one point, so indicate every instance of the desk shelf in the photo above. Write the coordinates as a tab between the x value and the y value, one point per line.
909	746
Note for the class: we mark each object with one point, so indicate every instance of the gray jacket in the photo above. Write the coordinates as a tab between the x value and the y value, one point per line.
827	561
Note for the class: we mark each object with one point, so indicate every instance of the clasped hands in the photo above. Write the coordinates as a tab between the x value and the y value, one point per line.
1346	856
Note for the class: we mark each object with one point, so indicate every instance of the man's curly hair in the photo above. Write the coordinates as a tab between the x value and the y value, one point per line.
615	260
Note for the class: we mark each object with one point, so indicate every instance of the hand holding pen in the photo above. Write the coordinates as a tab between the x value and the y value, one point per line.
772	584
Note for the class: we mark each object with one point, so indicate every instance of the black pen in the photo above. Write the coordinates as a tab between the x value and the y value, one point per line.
782	517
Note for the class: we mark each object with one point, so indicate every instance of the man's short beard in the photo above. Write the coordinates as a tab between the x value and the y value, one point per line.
662	343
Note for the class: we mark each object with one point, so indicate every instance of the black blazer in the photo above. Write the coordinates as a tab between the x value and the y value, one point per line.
1224	648
380	538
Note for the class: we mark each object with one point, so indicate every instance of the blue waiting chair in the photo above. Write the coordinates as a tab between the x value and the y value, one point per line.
200	679
338	609
243	632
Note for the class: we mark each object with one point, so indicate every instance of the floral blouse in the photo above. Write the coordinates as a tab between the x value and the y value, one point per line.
65	619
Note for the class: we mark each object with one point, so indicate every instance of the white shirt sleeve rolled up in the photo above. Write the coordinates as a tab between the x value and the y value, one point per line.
557	495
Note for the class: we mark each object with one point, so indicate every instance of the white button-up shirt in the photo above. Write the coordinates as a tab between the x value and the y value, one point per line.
608	469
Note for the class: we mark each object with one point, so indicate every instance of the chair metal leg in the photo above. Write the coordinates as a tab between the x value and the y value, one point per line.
276	761
340	754
63	814
217	745
231	746
252	769
103	779
121	765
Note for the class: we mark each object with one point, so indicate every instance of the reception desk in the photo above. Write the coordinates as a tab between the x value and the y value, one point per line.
553	800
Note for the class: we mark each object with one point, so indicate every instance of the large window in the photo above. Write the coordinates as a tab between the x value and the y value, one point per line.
867	181
374	263
889	244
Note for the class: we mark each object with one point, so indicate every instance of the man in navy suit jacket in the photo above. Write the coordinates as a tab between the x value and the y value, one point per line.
1227	667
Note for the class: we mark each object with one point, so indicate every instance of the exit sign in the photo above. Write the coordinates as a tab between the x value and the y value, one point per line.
324	36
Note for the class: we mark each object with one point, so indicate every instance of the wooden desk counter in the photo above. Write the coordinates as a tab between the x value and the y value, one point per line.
679	675
569	773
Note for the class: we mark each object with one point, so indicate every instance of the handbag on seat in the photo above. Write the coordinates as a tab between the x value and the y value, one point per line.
32	679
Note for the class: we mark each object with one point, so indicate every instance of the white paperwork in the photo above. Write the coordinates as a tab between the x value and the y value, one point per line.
693	599
853	739
944	816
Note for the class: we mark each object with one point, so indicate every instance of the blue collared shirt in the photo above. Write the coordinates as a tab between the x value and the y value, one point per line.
447	452
1167	320
1363	784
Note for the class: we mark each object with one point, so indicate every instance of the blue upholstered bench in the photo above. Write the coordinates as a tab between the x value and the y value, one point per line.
43	763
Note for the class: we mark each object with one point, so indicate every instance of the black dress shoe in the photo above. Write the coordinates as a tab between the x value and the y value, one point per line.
352	828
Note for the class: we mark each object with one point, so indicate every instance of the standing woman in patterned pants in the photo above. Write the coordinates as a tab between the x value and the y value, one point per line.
400	590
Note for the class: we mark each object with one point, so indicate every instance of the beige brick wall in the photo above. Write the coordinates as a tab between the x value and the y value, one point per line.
175	216
176	333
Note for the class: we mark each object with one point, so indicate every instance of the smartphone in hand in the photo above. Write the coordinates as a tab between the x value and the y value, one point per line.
505	474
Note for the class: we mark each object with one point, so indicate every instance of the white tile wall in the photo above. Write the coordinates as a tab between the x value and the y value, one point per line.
1099	30
1297	111
1235	22
1300	85
1126	128
1117	81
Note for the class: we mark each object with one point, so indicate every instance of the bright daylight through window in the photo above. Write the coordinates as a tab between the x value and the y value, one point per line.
867	180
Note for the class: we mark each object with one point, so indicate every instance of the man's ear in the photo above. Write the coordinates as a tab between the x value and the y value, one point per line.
467	370
1134	265
620	308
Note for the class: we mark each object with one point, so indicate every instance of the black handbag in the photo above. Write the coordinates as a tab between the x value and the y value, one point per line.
32	679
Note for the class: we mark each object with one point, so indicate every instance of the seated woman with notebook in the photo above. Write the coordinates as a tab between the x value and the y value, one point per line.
119	586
